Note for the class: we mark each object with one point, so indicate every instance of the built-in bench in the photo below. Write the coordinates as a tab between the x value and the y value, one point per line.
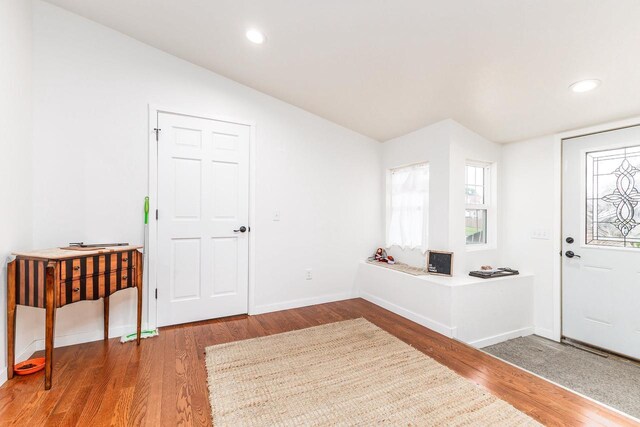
479	312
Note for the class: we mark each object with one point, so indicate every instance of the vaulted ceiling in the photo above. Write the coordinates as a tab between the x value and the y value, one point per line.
386	67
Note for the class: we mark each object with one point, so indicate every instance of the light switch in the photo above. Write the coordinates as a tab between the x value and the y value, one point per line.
540	234
276	215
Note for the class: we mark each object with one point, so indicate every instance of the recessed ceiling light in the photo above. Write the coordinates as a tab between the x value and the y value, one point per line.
585	85
255	36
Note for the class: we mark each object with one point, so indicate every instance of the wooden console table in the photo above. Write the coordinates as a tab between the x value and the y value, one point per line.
53	278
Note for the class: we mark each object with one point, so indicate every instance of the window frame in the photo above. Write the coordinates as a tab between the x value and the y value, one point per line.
388	197
488	205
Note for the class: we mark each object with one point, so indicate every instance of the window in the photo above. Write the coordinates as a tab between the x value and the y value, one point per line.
408	207
612	214
477	186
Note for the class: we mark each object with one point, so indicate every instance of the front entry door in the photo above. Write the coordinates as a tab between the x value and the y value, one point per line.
601	240
203	203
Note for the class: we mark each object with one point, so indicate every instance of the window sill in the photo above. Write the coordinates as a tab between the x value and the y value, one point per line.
407	248
479	248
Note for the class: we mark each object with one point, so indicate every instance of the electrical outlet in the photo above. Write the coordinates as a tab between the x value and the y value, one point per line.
309	275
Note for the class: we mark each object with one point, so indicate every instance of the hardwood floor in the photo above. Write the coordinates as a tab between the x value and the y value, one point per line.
163	381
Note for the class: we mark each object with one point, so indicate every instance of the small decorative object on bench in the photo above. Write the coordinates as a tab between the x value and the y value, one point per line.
493	272
440	263
381	256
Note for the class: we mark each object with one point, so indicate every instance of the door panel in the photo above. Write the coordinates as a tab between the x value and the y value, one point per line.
185	269
224	189
187	178
601	212
203	196
225	255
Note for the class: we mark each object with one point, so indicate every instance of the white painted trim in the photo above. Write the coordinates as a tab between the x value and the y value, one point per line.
67	340
495	339
303	302
545	333
479	247
491	175
152	268
556	234
253	149
557	217
603	127
408	314
89	336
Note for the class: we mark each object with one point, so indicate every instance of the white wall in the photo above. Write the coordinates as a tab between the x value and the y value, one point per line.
430	144
92	86
469	146
531	217
91	89
530	204
446	145
15	157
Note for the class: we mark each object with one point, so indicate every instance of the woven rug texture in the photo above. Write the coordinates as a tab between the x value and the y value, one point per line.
349	373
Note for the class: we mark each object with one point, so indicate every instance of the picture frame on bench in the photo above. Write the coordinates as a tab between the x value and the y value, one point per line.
440	263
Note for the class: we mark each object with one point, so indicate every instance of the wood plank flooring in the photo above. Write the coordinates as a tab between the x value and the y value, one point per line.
163	382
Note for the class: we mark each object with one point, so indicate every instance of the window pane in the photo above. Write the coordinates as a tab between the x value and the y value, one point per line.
480	176
476	226
474	195
471	175
613	215
475	191
409	206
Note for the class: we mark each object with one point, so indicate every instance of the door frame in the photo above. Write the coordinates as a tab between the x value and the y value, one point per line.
151	266
557	332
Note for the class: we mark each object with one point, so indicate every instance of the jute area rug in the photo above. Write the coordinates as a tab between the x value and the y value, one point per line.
343	374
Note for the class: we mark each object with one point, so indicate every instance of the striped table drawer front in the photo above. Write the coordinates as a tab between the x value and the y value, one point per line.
96	286
93	265
30	276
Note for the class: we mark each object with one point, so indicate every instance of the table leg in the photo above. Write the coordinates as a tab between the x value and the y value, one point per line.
11	318
106	317
50	306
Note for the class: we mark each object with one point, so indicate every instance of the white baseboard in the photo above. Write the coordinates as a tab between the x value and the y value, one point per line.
83	337
408	314
66	340
495	339
22	356
303	302
118	331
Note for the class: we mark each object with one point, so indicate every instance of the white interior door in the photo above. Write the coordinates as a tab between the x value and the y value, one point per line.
203	203
601	267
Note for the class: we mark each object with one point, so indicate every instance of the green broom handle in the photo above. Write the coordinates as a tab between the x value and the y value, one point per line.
146	210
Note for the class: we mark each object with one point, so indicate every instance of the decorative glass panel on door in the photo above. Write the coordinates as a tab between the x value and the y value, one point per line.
612	196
